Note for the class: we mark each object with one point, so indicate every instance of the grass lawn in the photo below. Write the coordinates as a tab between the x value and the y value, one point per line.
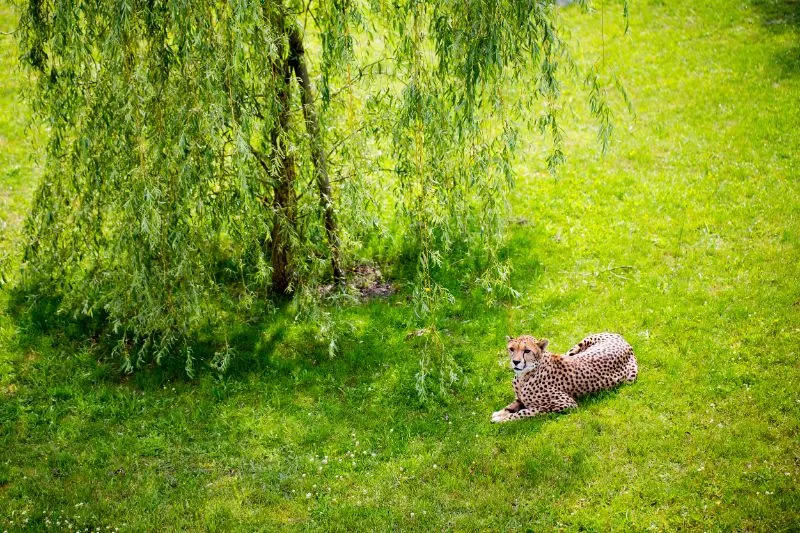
685	238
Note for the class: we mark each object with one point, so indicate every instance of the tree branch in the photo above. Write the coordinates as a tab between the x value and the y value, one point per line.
318	156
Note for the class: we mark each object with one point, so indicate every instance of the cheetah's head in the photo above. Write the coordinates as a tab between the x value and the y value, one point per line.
525	353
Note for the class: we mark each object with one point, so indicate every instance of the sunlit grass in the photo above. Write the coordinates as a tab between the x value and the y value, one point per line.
684	238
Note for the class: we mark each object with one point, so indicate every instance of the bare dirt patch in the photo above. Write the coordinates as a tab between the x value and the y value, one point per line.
366	280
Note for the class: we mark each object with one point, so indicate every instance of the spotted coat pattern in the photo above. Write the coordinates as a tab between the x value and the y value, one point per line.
548	382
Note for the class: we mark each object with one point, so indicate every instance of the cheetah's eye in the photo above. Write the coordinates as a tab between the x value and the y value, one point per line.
527	350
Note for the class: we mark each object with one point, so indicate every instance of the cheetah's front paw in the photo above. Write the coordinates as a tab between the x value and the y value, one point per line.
500	416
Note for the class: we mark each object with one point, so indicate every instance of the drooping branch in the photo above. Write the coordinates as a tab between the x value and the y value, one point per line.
318	156
151	185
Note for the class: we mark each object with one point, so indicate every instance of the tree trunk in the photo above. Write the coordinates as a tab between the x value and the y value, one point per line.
298	63
285	200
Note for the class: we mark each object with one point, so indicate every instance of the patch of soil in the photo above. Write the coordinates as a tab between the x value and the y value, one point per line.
366	280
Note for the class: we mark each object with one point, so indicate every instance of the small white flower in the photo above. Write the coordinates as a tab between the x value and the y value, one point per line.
308	495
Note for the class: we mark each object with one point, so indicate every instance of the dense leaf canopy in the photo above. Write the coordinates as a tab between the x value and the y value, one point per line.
184	146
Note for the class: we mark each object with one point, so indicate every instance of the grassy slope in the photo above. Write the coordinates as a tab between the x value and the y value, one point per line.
699	202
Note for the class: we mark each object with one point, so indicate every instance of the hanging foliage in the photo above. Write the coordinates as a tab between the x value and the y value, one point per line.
203	155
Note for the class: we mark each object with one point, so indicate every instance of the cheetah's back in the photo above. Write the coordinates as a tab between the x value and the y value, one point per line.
600	362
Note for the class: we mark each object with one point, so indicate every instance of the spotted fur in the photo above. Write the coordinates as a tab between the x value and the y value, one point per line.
548	382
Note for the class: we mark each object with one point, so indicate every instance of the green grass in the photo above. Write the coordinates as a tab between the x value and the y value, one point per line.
685	238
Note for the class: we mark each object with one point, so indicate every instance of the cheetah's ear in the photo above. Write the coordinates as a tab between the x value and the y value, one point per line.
543	344
508	338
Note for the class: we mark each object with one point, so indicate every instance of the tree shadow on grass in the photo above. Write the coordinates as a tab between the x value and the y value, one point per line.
283	401
781	17
297	398
788	61
778	15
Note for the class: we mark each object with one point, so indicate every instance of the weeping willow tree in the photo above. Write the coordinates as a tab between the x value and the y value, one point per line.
203	155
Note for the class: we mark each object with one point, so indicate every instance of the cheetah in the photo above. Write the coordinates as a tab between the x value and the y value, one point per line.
549	382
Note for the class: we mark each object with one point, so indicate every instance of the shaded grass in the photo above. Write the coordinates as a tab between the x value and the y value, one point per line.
684	238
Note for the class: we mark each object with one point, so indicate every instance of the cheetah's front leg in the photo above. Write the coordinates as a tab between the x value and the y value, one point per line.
555	402
526	412
513	407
